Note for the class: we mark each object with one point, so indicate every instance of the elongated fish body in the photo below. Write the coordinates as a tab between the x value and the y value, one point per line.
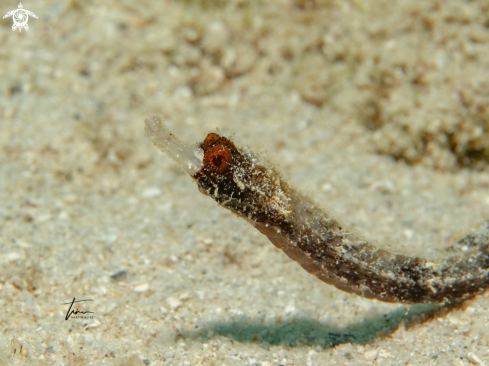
245	184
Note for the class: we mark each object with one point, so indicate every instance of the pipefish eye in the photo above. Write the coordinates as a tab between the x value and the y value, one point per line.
217	160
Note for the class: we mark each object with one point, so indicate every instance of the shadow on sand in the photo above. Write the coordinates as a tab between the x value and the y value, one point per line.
303	331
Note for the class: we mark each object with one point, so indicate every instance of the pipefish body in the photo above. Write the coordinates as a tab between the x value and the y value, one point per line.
245	184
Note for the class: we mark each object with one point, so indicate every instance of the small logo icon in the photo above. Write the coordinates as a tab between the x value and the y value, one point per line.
20	17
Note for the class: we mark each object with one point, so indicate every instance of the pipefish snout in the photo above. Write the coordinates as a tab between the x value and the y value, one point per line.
239	181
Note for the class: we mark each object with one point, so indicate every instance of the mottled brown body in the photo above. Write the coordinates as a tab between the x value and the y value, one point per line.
236	180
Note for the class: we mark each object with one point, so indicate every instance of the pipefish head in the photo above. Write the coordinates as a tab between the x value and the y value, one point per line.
232	177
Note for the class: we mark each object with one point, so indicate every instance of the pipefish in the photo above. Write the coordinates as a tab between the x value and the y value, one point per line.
245	184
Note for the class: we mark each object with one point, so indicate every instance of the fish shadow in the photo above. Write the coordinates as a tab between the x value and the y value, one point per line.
304	331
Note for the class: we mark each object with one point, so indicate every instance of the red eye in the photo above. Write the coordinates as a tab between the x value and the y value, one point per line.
217	159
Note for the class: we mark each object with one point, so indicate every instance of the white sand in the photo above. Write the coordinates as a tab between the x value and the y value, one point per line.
83	195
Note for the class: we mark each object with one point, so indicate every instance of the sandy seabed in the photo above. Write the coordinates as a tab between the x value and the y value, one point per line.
377	109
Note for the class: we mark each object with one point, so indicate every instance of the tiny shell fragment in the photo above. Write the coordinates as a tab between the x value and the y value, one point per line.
142	287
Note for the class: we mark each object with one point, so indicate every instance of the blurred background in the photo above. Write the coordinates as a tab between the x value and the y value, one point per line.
377	109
